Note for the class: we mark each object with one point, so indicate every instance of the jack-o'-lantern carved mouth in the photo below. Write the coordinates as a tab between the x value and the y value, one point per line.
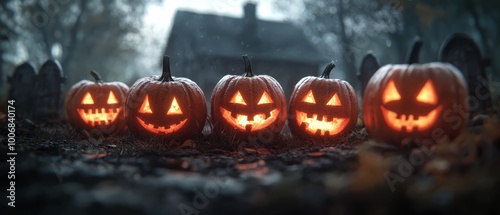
168	129
99	116
246	123
321	125
252	122
410	122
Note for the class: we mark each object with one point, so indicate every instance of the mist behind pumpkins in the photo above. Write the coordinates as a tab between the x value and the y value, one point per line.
125	40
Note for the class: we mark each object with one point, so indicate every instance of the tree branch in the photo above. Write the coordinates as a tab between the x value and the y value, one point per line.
73	39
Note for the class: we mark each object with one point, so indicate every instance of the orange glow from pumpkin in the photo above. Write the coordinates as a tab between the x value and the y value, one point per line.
87	99
309	98
238	99
174	108
265	99
99	116
390	93
243	122
323	126
112	98
162	129
145	108
409	122
334	101
428	94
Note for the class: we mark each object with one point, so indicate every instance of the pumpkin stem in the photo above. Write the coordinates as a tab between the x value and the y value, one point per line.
166	76
415	50
328	70
97	77
248	66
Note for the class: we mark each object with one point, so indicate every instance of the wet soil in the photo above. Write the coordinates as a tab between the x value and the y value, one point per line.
63	171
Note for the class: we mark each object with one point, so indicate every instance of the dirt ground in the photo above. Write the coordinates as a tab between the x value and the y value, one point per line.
62	171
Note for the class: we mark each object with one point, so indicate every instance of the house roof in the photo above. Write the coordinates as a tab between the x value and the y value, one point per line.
223	36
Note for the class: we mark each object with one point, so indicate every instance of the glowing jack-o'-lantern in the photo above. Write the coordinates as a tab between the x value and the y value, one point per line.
97	105
415	101
244	105
322	107
166	106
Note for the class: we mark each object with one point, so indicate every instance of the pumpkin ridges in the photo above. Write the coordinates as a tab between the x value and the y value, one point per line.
445	81
271	82
193	97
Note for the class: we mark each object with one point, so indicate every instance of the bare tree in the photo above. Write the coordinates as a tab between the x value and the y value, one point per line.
82	35
344	29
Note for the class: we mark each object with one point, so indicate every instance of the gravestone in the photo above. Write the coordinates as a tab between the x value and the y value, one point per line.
22	88
369	65
461	51
49	91
414	52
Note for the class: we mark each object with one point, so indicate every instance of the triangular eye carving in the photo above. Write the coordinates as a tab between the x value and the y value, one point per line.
428	94
309	98
238	99
145	108
112	98
334	101
390	93
87	99
174	109
265	99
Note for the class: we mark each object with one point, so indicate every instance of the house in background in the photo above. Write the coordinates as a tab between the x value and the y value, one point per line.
205	47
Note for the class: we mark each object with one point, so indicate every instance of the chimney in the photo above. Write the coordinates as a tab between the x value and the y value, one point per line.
250	19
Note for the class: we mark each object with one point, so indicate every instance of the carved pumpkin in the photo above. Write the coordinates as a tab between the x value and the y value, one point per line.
415	101
97	105
322	108
247	104
166	106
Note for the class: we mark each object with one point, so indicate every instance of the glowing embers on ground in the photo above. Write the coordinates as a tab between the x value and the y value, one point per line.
161	129
99	116
409	123
324	126
243	122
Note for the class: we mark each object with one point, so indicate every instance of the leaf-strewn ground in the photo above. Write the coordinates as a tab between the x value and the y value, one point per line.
61	171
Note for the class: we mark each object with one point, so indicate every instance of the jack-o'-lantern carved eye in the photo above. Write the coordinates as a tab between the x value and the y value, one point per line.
145	108
334	101
265	99
174	108
87	99
428	94
309	98
390	93
238	99
112	98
